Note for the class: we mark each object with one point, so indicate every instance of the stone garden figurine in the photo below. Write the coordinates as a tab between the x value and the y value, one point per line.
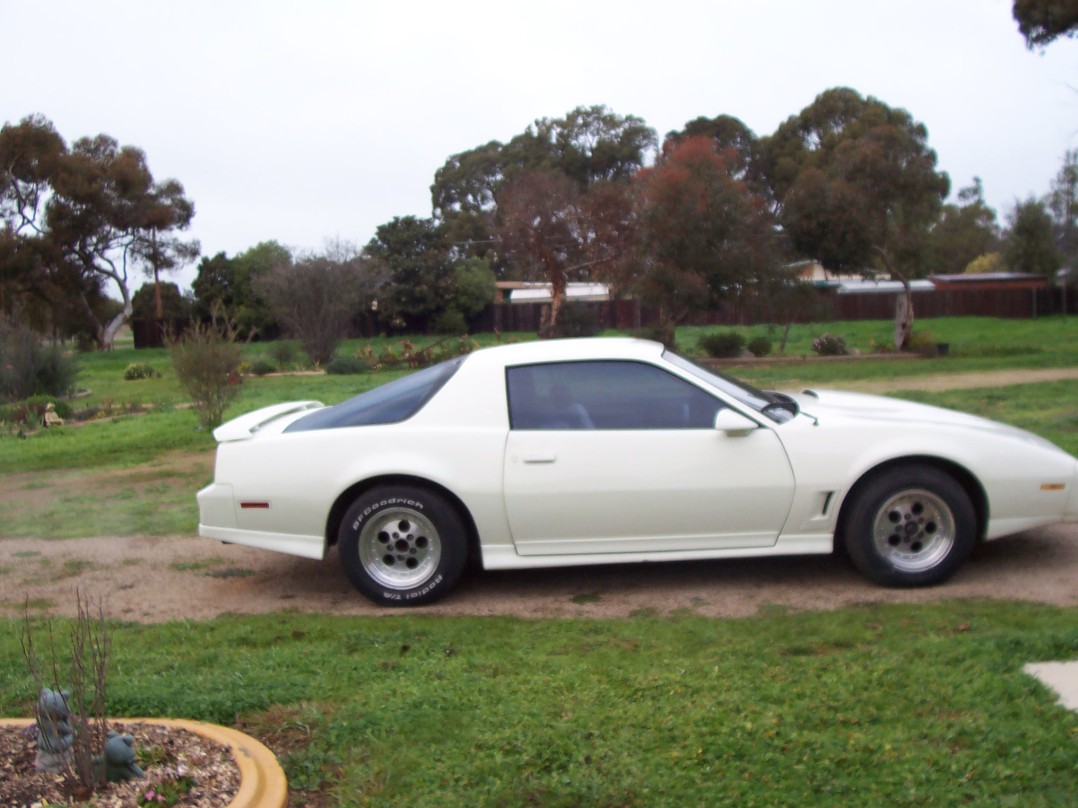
54	733
52	417
120	757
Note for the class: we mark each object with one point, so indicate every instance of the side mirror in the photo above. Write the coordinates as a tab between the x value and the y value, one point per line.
734	424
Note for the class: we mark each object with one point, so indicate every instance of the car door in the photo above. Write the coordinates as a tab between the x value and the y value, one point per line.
623	456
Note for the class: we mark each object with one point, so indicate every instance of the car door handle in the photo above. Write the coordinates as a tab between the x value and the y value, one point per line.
536	458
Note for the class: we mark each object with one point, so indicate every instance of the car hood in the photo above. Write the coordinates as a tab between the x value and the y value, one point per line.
833	407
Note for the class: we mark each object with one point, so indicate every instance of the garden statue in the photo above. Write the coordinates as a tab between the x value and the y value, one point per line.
120	757
52	417
54	733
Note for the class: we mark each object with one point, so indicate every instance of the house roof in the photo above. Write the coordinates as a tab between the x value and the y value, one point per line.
860	287
987	280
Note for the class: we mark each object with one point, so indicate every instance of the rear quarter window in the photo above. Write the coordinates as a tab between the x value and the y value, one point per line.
391	403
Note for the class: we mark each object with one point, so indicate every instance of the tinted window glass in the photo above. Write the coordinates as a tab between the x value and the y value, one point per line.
776	406
396	401
605	395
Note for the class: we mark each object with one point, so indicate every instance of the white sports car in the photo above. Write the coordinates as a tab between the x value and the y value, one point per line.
593	451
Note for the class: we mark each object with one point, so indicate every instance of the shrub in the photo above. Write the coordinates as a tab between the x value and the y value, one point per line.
577	320
56	373
261	366
922	342
347	366
140	370
829	345
283	353
759	346
207	361
316	298
450	321
27	367
722	344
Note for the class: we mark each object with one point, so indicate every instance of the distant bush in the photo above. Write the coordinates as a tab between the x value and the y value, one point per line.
577	320
57	372
262	365
722	344
829	345
759	346
27	367
347	366
140	370
207	361
283	353
450	321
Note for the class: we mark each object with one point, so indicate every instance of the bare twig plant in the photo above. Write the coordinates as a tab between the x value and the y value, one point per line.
86	674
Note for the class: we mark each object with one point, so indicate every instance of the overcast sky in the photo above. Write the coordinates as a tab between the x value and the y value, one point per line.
305	121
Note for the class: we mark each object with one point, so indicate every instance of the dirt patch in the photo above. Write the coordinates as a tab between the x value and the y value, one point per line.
936	382
158	579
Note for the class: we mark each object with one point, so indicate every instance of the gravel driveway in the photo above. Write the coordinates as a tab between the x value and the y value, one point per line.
156	579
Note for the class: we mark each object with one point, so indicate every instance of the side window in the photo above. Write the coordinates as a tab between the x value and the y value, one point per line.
605	395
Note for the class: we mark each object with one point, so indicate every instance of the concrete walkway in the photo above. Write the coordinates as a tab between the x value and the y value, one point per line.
1062	677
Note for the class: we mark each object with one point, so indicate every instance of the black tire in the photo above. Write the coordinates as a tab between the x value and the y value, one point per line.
402	545
910	526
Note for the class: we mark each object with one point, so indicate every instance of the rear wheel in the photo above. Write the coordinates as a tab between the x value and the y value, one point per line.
402	545
910	526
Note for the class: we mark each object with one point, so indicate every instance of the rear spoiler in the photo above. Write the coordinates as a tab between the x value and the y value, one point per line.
246	425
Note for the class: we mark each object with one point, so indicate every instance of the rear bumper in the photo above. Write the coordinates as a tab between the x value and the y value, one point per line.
216	507
1071	513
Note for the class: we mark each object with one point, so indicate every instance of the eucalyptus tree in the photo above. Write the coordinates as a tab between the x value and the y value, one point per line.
316	297
482	197
965	231
1030	242
1062	202
706	236
416	268
85	217
230	285
856	186
1041	22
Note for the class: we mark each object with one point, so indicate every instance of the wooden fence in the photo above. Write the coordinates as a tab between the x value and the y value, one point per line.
630	315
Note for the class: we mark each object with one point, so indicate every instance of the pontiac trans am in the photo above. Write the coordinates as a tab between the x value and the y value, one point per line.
595	451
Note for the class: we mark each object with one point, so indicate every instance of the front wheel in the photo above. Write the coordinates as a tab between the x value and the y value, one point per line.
910	526
402	545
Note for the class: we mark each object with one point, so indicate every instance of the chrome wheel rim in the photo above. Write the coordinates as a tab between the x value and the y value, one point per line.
399	548
914	530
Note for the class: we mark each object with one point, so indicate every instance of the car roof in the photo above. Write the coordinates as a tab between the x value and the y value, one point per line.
568	350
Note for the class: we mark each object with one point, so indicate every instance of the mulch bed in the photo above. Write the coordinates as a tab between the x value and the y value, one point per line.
211	766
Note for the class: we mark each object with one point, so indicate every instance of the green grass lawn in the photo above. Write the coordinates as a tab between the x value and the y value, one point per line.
876	705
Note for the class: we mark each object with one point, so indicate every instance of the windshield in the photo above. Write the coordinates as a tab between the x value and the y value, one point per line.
395	401
776	406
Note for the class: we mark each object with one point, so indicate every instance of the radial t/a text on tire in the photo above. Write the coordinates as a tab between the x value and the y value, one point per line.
402	545
910	526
